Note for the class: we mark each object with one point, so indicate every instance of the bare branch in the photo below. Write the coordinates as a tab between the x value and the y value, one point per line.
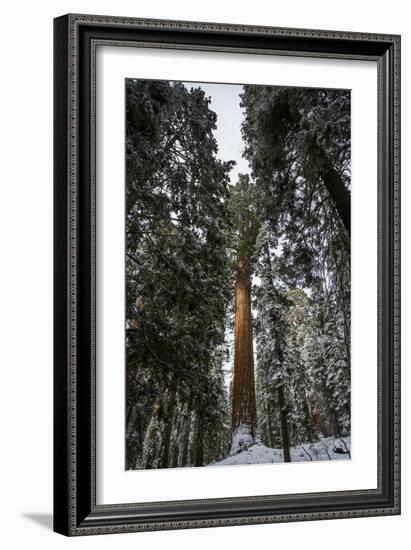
346	446
325	447
307	453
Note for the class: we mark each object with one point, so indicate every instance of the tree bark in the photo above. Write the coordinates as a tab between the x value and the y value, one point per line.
185	436
133	443
271	439
168	425
152	447
244	404
198	451
175	447
339	194
284	425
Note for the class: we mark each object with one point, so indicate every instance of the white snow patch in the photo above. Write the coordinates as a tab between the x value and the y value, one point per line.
328	448
242	440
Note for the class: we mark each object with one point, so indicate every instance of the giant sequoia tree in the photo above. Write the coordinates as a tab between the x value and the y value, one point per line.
244	422
177	277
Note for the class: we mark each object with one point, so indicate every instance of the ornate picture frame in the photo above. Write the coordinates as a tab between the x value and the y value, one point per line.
76	40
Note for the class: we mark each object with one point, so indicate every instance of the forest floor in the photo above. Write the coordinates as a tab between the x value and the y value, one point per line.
328	448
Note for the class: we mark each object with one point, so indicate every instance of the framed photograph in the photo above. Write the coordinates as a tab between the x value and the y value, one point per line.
227	278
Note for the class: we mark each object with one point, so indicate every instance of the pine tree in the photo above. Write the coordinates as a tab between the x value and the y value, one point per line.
272	374
298	143
298	329
178	276
298	146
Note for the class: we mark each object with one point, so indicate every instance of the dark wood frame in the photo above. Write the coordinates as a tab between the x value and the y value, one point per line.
75	40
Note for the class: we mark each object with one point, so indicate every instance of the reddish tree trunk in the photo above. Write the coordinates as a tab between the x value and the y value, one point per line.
244	405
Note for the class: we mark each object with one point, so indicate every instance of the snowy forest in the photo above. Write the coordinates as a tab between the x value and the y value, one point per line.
237	284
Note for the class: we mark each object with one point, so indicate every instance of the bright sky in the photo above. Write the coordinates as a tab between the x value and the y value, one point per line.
225	102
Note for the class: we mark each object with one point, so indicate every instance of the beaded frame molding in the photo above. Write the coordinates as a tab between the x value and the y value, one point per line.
76	38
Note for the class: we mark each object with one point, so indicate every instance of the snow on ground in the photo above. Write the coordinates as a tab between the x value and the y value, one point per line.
325	449
242	439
